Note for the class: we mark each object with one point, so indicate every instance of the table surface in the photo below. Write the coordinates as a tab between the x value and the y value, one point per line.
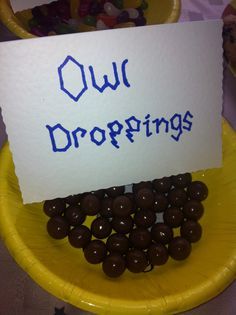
19	295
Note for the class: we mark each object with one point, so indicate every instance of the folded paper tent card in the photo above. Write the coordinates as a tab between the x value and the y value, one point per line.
93	110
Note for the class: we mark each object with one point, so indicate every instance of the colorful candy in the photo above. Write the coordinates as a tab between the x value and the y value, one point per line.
55	18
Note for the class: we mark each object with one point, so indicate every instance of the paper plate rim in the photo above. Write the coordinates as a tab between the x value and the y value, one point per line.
95	302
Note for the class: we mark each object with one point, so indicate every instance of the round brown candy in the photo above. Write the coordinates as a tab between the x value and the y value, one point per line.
197	190
191	231
74	215
117	243
90	204
181	180
74	200
144	218
179	248
114	265
161	233
160	202
144	198
157	254
173	217
193	210
95	252
136	261
101	228
131	197
121	207
58	227
98	193
106	208
140	238
54	207
162	185
79	236
115	191
122	225
138	186
177	197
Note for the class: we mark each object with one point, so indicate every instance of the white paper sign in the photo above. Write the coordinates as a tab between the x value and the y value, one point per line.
94	110
20	5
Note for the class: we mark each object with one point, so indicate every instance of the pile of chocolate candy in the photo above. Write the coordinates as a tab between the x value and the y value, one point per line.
135	230
55	17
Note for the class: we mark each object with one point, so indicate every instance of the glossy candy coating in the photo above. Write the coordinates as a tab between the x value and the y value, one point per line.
173	217
115	191
118	243
157	254
114	265
179	248
74	215
177	197
193	210
191	231
136	261
121	206
95	252
160	202
80	236
122	225
54	207
90	204
58	227
144	198
144	218
161	233
140	238
181	180
101	228
162	185
197	190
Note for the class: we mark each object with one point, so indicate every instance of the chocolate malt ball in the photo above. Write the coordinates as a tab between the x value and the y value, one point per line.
144	218
101	228
161	233
90	205
181	180
140	238
136	261
95	252
173	217
58	227
115	191
80	236
193	210
122	225
144	198
121	207
197	190
179	248
162	185
54	207
114	265
157	254
191	231
117	243
74	215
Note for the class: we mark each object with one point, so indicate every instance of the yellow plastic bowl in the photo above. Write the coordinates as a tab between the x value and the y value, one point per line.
159	11
177	286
